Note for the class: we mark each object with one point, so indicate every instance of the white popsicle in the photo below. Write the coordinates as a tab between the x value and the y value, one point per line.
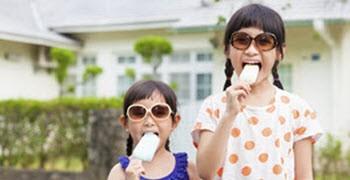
147	147
249	73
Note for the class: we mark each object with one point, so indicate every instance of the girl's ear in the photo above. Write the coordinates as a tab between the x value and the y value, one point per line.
176	121
123	122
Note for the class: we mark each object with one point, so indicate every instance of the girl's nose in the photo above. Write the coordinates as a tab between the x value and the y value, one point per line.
252	49
148	121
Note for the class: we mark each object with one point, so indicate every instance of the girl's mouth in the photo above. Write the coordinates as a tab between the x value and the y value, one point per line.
156	133
251	63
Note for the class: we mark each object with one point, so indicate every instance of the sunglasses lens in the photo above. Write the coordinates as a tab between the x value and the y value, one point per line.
241	41
136	112
160	111
265	42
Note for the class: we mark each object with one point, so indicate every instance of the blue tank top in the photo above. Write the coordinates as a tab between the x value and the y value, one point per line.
178	173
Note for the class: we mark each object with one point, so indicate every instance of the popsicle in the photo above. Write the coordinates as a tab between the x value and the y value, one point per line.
249	73
147	147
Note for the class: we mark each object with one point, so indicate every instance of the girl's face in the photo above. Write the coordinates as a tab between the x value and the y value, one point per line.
252	55
161	127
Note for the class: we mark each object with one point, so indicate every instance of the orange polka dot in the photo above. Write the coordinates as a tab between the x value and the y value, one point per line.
300	131
233	158
217	113
289	151
272	101
296	114
224	99
249	145
271	109
287	136
198	125
266	132
246	170
210	112
253	120
282	120
277	169
263	157
277	143
306	113
313	115
235	132
285	99
220	171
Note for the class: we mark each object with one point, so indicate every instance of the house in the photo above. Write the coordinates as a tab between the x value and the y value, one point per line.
103	33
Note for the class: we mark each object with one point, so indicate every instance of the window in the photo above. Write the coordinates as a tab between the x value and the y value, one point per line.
203	85
182	84
126	60
285	74
89	88
123	83
89	60
204	57
178	57
69	85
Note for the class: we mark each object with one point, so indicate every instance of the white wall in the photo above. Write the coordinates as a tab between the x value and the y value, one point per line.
312	80
17	76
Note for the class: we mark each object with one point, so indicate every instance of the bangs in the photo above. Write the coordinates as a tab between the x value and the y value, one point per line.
259	16
145	89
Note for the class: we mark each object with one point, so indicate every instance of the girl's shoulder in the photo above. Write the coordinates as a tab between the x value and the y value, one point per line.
291	99
116	172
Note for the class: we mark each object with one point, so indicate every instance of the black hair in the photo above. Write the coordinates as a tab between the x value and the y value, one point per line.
142	90
262	17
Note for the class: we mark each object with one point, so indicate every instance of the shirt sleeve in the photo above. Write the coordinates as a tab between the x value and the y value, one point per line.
306	123
207	119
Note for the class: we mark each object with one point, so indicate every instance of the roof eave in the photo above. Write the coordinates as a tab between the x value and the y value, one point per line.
71	44
127	26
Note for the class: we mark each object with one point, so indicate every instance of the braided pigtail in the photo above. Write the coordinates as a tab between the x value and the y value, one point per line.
276	81
129	145
228	72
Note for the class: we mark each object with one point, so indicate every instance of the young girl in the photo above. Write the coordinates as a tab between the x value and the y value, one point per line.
255	131
150	106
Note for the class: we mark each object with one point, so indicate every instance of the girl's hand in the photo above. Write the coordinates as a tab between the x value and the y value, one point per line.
235	94
134	169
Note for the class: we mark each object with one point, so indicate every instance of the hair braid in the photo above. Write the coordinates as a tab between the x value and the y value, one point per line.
228	72
276	80
129	144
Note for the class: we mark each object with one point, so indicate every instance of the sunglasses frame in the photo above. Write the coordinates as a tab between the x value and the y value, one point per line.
275	43
149	111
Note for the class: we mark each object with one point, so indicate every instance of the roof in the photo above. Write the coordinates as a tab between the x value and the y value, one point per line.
44	22
21	22
111	15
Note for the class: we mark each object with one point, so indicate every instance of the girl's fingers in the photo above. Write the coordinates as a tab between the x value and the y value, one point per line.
243	86
135	168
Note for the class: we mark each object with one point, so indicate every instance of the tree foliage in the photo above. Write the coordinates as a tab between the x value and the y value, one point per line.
152	49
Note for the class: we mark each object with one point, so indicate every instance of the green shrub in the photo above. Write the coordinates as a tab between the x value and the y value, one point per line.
34	133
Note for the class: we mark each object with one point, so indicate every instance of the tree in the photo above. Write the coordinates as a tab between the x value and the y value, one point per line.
64	58
91	72
152	49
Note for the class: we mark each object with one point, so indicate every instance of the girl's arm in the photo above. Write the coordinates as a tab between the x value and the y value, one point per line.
212	149
303	159
192	171
212	145
116	173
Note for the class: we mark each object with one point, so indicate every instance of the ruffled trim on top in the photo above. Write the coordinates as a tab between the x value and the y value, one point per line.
179	172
